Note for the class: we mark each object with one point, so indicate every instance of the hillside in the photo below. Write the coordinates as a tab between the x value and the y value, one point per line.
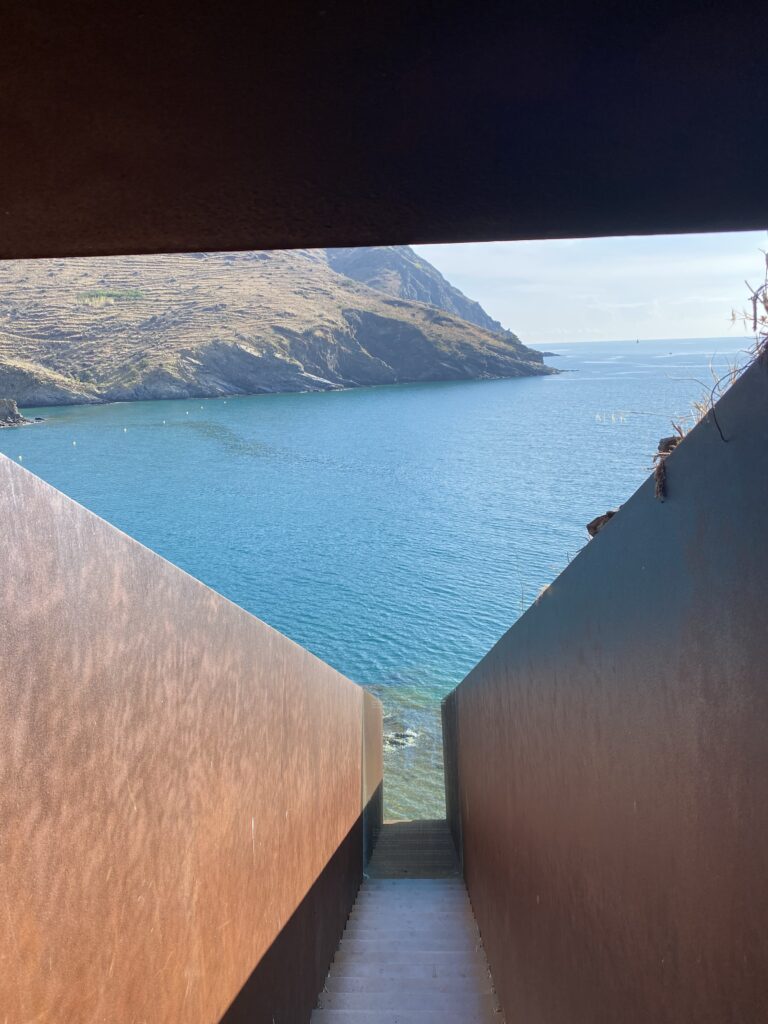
138	327
399	271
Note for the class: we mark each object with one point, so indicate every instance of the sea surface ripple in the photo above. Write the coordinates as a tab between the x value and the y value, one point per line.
397	532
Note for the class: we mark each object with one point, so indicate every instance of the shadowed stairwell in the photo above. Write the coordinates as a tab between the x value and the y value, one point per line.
411	952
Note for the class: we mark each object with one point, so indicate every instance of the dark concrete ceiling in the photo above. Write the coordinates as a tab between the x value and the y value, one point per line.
186	125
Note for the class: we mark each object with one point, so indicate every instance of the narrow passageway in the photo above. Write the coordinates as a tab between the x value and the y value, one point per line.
411	952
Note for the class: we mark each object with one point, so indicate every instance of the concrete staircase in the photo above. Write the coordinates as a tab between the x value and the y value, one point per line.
411	952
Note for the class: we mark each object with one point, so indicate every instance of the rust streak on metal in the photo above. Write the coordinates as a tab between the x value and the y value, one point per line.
169	763
607	762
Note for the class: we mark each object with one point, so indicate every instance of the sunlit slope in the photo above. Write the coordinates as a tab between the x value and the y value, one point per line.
399	271
123	328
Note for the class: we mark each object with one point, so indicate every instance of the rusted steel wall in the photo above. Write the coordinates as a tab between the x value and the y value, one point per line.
180	786
634	118
373	773
612	757
451	768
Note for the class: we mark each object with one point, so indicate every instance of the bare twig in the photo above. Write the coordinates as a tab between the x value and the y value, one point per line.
757	319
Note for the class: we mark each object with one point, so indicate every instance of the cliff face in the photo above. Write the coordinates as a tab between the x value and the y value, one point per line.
123	328
398	270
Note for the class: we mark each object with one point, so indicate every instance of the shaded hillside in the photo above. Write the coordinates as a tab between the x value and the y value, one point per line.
137	327
398	270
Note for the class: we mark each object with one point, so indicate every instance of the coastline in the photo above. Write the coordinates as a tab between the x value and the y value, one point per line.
149	395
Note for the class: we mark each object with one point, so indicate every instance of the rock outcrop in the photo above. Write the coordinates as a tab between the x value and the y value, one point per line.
10	415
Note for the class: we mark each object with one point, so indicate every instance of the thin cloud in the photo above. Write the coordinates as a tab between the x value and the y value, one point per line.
663	286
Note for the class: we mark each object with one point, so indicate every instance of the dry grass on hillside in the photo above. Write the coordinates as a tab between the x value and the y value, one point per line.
160	326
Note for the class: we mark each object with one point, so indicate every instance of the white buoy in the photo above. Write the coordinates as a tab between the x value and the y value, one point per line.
20	458
74	444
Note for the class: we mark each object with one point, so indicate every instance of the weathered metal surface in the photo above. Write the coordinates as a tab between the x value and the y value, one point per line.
184	125
180	786
451	768
612	757
285	983
373	773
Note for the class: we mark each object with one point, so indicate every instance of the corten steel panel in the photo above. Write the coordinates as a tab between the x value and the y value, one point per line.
373	772
451	768
613	757
146	127
180	786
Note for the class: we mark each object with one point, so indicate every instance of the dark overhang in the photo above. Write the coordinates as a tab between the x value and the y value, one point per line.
185	126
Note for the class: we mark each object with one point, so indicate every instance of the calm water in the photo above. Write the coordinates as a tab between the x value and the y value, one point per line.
397	532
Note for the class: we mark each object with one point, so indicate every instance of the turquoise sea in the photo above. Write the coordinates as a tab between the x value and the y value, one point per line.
397	532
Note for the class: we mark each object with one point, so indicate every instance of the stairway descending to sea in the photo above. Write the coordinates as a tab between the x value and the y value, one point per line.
411	952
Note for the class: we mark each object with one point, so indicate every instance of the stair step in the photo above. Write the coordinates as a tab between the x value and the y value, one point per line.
413	956
416	932
393	872
411	952
416	823
408	887
422	903
414	898
415	905
419	842
397	905
420	932
374	1016
385	887
424	935
363	968
411	838
407	918
452	885
388	869
395	832
391	869
419	851
413	888
416	885
408	982
414	861
466	1002
428	942
450	944
422	836
416	856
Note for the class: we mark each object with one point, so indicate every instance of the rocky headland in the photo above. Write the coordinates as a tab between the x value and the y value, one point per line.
209	324
397	270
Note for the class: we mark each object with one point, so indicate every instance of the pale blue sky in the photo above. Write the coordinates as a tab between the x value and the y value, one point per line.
595	289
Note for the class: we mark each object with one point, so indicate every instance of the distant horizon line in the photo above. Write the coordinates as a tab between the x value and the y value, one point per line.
538	346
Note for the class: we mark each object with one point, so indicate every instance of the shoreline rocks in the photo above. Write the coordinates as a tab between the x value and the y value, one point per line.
10	415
